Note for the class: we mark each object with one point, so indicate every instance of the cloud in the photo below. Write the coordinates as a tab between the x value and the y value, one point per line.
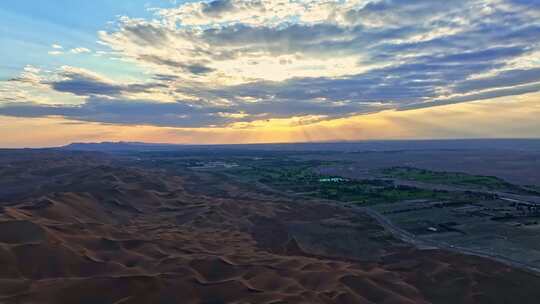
506	78
490	94
124	112
57	49
80	50
183	113
233	61
82	82
55	53
68	85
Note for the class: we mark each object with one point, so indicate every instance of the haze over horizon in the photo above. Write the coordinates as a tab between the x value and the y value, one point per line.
267	71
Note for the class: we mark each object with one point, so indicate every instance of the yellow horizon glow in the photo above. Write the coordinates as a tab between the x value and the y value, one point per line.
506	117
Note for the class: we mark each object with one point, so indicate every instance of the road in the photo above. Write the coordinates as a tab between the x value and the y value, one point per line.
422	243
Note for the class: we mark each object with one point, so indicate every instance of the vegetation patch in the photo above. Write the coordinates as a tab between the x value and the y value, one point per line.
453	179
299	177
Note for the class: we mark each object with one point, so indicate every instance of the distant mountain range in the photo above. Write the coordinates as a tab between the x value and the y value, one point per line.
362	146
121	146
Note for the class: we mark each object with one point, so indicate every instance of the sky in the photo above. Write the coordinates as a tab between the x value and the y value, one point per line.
241	71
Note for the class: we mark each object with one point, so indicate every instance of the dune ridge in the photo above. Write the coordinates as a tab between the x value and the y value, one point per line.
87	230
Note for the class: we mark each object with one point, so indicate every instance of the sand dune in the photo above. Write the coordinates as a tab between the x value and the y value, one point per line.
89	231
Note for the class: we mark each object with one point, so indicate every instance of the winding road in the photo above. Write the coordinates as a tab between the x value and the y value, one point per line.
422	243
426	244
